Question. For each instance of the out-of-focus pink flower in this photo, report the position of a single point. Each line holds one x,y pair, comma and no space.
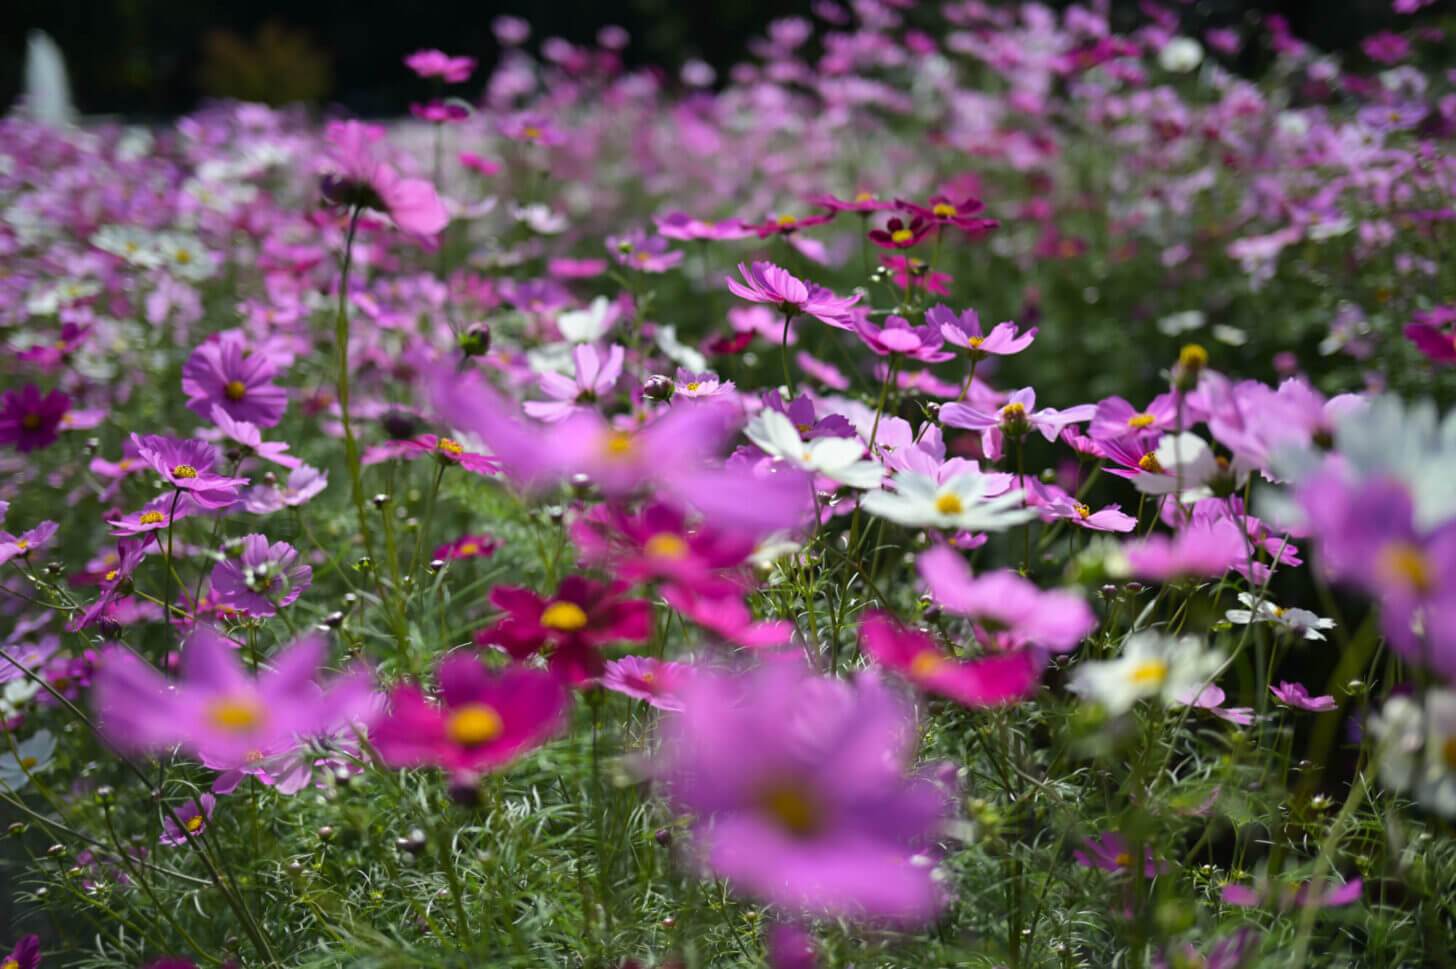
434,63
990,681
354,176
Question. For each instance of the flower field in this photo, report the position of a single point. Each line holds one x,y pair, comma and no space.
972,486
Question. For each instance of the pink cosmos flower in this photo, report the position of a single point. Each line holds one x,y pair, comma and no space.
479,165
1197,551
219,713
684,227
594,379
921,343
229,375
1211,698
727,616
569,627
25,955
533,129
467,547
1295,695
1116,418
22,545
862,202
1436,343
1284,897
355,177
648,254
1386,47
30,421
767,283
484,719
193,816
263,579
446,450
187,466
965,332
659,543
909,272
945,211
434,63
157,515
798,792
304,484
439,112
1011,609
1054,504
989,681
785,224
1015,419
653,681
1110,851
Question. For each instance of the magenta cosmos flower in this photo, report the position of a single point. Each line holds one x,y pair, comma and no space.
1010,610
187,466
1111,852
157,515
767,283
897,235
193,816
29,420
218,712
991,681
19,546
798,792
964,331
921,343
434,63
659,543
653,681
226,374
1295,695
356,178
1017,417
942,210
262,579
485,719
25,955
570,626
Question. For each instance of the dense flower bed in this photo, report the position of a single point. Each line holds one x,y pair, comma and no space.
969,489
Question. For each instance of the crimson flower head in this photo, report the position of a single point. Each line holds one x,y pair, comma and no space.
569,627
30,421
767,283
942,210
897,235
355,177
660,543
434,63
862,202
187,466
784,224
227,374
993,680
25,955
484,720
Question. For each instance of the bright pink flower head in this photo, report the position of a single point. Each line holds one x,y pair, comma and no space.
193,815
569,627
219,713
1295,695
767,283
1197,551
659,543
434,63
484,719
187,466
897,235
225,373
727,616
653,681
1111,852
25,955
684,227
991,681
965,332
945,211
921,343
1285,896
1015,419
468,547
30,421
1011,609
22,545
356,178
799,794
157,515
862,202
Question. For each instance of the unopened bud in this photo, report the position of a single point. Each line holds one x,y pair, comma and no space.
658,387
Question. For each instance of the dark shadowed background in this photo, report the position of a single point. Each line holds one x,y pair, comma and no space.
155,58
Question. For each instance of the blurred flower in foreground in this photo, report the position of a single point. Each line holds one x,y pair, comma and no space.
798,791
1151,665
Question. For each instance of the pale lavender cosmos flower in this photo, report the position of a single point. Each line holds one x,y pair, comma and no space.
304,483
921,343
250,439
798,791
157,515
1015,419
187,466
1012,609
261,580
226,373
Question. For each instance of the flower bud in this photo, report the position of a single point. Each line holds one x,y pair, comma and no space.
658,387
475,342
1191,361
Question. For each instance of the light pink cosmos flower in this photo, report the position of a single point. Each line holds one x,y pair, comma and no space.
921,343
354,176
964,331
434,63
653,681
1211,698
594,379
1014,611
767,283
1016,418
216,711
194,816
1201,550
229,375
1295,695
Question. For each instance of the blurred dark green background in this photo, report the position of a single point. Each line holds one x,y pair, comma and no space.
155,58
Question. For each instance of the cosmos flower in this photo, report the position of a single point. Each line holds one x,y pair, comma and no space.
467,547
262,579
594,380
798,792
228,374
30,421
1152,666
484,718
766,283
304,484
1301,622
653,681
193,816
157,515
897,336
897,235
989,681
355,177
1295,695
1011,609
1110,851
22,545
569,627
960,502
25,955
965,331
837,458
28,757
186,465
434,63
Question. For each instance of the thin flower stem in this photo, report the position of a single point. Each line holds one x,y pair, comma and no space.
784,353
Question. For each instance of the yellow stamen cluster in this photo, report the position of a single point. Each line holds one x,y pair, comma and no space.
949,504
787,220
1150,464
30,422
449,446
151,518
235,714
666,545
1152,672
184,471
235,390
1141,420
474,724
565,616
943,210
900,236
793,807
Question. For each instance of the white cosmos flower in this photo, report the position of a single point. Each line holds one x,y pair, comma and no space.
1152,665
1416,748
35,755
677,351
587,325
833,457
16,694
1300,621
960,503
1184,459
1180,55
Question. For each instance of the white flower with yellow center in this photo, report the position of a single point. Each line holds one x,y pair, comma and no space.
1152,666
1299,621
27,757
960,502
834,457
1415,747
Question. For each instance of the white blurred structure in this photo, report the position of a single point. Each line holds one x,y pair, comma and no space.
47,91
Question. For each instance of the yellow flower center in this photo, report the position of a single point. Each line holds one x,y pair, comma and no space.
194,823
151,517
1123,859
666,545
450,446
1192,357
26,763
469,548
30,422
111,575
1406,562
1082,510
183,256
693,387
618,444
235,390
474,724
943,210
793,807
9,964
23,544
235,714
532,132
649,678
1150,463
949,504
901,235
1151,672
787,220
863,197
974,342
184,471
927,663
1141,420
566,616
123,464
